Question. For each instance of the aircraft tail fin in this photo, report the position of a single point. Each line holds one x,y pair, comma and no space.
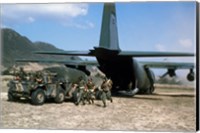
109,32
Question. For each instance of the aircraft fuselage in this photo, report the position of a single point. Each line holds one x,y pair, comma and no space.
125,72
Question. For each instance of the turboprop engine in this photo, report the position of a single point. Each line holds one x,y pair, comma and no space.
190,75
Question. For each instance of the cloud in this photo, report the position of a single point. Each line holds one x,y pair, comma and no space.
85,25
31,20
186,43
160,47
80,24
32,12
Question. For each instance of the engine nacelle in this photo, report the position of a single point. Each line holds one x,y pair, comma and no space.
190,76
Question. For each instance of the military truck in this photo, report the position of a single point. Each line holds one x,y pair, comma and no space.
38,89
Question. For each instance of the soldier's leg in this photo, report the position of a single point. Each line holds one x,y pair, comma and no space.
79,96
109,97
75,96
103,98
97,94
88,97
92,97
83,98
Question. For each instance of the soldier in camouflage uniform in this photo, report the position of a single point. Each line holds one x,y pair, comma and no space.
39,77
106,91
80,93
18,84
90,91
20,76
72,90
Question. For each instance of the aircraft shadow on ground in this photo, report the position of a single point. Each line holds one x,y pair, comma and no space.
28,101
175,95
142,98
51,101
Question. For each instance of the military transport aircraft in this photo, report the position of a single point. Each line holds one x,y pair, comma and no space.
129,75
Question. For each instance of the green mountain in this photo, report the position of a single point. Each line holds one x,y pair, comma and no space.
16,46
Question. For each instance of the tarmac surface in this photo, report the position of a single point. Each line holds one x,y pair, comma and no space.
168,109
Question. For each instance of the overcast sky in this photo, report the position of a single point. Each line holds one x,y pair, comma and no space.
142,26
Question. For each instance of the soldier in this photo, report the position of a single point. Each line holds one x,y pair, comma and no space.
48,77
72,90
38,77
80,92
18,84
90,91
22,74
20,77
106,91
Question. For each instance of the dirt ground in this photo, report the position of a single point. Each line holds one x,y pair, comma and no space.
169,109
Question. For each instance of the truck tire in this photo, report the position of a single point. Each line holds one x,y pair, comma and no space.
60,96
38,97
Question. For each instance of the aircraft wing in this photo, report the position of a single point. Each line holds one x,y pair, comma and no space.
153,54
66,62
169,65
172,67
73,53
121,53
